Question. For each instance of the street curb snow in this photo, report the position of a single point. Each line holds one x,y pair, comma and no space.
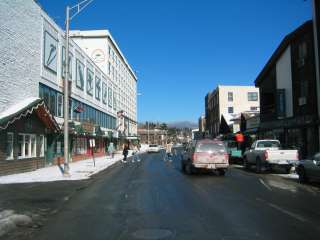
79,170
9,221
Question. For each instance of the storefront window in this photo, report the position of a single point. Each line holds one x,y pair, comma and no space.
80,145
27,145
9,145
41,145
33,146
21,145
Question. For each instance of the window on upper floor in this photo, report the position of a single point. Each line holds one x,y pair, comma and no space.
252,96
230,109
79,74
104,93
253,108
98,88
230,96
302,49
109,68
89,82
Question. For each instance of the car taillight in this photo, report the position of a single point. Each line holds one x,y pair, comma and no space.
266,155
193,157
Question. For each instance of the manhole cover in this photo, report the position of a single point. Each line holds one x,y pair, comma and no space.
152,234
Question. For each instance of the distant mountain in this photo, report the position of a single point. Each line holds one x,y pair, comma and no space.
182,124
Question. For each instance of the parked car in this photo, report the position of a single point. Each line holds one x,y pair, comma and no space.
309,169
205,154
235,154
153,148
267,153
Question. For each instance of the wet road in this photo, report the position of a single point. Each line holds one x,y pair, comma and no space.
152,199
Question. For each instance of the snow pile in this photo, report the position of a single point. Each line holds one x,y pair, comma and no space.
17,107
78,171
9,221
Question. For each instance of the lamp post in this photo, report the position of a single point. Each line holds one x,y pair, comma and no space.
78,7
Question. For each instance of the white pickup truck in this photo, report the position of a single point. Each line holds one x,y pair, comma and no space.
267,153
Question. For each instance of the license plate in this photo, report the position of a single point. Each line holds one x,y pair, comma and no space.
283,162
211,166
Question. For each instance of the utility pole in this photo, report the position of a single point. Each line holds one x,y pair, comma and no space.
148,131
79,7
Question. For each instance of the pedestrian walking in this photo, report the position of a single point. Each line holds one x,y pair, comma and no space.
111,150
168,152
135,154
125,152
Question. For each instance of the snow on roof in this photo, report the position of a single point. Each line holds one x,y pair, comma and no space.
17,107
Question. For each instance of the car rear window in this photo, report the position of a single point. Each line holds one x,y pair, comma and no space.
153,145
268,144
210,147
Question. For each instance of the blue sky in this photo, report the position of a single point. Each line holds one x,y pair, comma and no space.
182,49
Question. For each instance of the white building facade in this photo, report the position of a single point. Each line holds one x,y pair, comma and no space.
229,102
107,55
33,59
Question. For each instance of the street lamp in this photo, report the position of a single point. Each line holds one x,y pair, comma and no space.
78,8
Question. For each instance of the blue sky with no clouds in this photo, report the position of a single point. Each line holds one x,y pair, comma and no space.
182,49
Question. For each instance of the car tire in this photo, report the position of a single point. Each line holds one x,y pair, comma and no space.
183,167
221,172
287,170
258,165
246,164
188,168
303,178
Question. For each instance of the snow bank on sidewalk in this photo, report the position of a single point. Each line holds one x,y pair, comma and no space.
78,171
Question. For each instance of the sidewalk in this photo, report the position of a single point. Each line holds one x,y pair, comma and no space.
79,170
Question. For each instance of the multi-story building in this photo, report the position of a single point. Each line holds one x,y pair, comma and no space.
123,82
316,33
153,136
33,61
228,102
202,124
288,93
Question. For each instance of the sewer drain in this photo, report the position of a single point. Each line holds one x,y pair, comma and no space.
152,234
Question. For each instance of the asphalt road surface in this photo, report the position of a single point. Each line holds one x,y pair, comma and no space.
153,199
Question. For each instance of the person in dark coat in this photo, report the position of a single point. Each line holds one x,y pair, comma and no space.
125,153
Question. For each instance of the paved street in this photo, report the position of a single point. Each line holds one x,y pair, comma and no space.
153,199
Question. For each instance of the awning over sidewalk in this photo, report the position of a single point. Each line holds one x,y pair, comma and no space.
25,108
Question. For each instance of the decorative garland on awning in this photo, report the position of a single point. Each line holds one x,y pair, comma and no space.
27,112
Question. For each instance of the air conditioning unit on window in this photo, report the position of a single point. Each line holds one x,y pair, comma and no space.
301,62
302,101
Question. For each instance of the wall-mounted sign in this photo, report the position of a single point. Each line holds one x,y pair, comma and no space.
98,56
50,52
